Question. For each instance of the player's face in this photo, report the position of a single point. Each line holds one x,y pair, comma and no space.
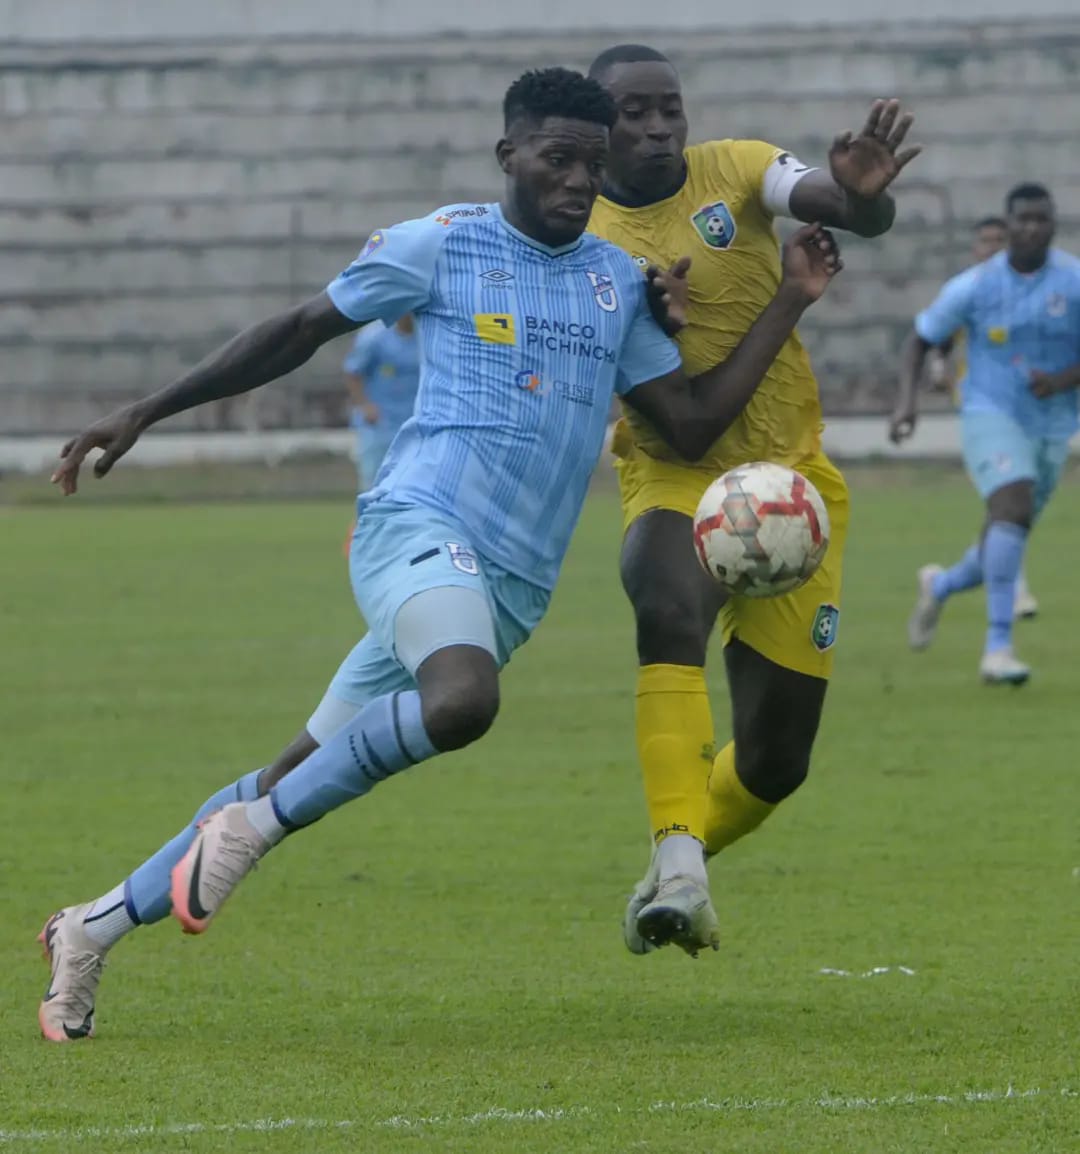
648,139
989,241
555,171
1031,229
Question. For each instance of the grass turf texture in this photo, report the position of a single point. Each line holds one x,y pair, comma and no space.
436,964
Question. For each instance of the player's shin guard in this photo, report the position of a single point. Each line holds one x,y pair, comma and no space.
385,737
675,743
732,810
1003,558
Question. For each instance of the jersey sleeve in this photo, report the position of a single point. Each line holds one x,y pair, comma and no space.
950,311
770,173
646,352
360,361
393,273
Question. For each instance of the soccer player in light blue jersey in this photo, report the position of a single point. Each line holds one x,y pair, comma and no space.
527,327
382,374
1020,311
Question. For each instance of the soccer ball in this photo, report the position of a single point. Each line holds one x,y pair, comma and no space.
761,530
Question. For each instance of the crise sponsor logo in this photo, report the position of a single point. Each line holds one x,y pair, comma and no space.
575,392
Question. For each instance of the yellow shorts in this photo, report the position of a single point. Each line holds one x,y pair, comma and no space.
798,630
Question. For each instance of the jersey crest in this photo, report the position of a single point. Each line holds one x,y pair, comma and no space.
715,224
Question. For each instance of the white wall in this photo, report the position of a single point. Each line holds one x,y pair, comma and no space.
145,20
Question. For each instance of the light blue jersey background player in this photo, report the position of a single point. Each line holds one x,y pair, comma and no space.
528,327
382,375
1020,311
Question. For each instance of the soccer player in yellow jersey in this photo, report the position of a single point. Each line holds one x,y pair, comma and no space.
716,203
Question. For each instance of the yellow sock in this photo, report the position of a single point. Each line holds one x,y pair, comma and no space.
675,744
732,811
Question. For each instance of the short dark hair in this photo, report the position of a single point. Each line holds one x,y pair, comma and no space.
990,222
624,54
557,92
1026,191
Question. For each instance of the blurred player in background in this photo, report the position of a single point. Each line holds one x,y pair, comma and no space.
946,366
528,327
382,374
717,202
1020,312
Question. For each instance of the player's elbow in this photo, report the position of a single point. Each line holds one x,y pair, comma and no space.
689,438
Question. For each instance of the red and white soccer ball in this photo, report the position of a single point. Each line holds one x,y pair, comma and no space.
761,530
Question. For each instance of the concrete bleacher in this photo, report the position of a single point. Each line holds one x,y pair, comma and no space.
157,196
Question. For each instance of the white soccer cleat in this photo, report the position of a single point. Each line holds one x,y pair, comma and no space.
1002,667
644,892
66,1013
1024,604
681,913
223,853
923,622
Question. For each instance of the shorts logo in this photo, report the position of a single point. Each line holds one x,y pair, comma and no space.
997,336
715,224
1056,305
463,559
495,328
604,291
823,631
376,240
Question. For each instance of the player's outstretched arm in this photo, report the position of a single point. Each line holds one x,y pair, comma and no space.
851,195
691,413
255,357
912,363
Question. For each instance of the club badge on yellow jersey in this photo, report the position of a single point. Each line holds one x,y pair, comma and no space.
719,219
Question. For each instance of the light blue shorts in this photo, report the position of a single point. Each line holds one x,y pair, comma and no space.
399,551
372,442
999,452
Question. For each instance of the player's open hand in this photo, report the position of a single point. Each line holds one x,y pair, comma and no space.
811,258
115,434
668,294
865,165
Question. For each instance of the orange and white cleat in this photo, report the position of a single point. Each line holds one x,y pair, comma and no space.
66,1013
223,853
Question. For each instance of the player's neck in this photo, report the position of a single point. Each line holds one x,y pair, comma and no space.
631,194
1027,266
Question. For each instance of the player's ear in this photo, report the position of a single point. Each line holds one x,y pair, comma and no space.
504,151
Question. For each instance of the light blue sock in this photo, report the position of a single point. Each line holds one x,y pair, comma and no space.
965,574
1003,557
385,737
146,892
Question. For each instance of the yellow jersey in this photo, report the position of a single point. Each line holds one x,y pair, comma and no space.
719,219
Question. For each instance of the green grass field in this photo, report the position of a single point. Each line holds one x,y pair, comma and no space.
439,967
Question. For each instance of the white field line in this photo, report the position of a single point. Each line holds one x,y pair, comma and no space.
405,1122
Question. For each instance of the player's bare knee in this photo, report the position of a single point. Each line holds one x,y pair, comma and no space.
1014,504
669,630
773,770
459,696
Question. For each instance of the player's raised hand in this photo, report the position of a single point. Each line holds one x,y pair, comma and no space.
668,294
865,165
115,434
811,258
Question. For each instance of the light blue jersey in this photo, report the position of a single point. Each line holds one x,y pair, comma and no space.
1015,323
388,361
522,347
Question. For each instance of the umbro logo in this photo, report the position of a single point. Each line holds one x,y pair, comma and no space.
497,276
